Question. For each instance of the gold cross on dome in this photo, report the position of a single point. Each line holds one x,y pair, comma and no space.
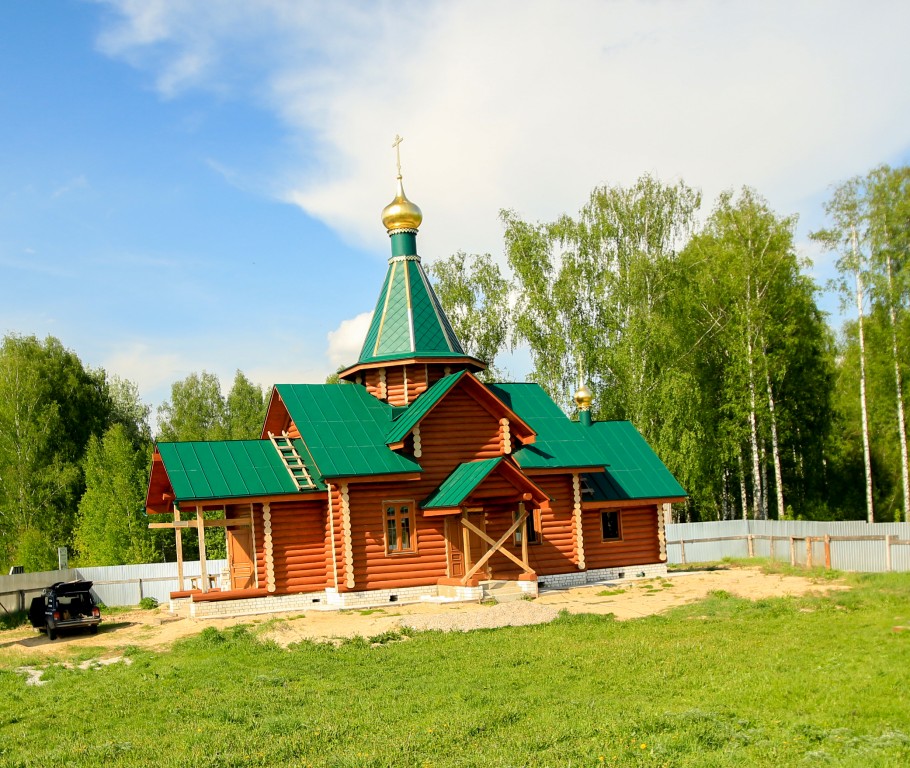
396,146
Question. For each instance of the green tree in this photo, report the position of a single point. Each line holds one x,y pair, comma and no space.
129,410
245,409
476,300
196,410
50,406
592,289
112,528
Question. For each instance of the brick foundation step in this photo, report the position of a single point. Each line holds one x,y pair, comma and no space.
502,591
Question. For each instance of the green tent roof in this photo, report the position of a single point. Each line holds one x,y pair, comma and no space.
408,320
344,428
229,469
559,444
460,484
633,470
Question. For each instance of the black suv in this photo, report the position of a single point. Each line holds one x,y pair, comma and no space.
65,605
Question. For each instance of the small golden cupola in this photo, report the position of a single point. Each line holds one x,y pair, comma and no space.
583,398
401,213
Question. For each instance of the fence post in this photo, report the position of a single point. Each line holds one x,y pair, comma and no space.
808,551
682,550
828,551
792,551
888,552
140,589
751,539
771,547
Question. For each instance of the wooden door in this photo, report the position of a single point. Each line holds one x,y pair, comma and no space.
240,557
455,547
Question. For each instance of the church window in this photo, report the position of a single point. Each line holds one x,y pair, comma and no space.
610,526
399,527
531,527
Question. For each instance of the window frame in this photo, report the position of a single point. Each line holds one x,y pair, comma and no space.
533,524
603,532
411,516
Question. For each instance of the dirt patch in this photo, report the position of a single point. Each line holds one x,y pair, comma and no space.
157,630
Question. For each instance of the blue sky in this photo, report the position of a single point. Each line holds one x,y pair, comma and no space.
197,185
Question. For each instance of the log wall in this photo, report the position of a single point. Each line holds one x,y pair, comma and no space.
300,547
639,544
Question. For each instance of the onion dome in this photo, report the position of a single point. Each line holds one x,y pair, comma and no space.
583,398
401,213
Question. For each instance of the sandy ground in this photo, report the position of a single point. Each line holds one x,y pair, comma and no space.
157,629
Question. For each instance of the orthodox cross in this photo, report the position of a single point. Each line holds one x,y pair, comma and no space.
396,146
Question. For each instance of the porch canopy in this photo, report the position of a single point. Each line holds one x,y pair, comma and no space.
474,484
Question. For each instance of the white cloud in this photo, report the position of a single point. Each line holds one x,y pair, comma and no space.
530,104
346,340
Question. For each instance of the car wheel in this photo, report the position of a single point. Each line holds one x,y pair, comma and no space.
51,634
93,629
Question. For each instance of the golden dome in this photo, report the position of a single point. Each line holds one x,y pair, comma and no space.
583,398
401,213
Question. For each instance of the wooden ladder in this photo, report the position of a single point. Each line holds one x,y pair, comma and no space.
292,460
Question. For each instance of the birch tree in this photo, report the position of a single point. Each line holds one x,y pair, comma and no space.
888,192
475,297
847,211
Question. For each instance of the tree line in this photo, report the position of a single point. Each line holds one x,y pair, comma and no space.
708,337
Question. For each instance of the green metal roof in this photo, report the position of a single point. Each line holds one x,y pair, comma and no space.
408,320
559,443
421,407
633,470
460,484
229,469
344,428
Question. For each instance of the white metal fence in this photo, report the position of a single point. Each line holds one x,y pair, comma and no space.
113,585
845,546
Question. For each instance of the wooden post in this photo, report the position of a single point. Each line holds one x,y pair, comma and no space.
682,551
466,538
179,536
524,533
827,551
888,552
792,551
771,547
751,539
203,571
808,551
253,536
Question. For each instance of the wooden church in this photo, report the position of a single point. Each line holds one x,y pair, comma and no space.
412,479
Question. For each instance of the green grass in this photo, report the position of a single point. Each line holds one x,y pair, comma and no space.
723,682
